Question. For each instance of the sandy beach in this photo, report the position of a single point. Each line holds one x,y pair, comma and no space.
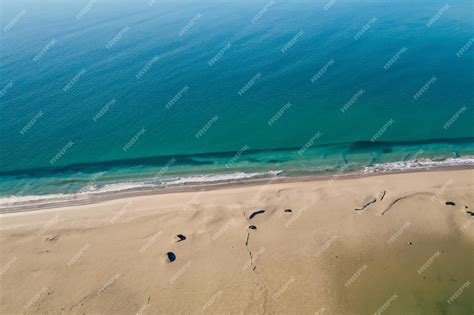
392,244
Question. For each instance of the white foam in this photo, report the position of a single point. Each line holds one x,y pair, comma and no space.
213,178
86,192
81,195
11,200
418,164
122,187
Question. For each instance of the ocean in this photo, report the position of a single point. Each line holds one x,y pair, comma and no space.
100,96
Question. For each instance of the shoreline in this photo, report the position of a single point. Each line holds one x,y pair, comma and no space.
347,247
116,195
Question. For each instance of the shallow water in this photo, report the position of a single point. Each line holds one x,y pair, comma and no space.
162,92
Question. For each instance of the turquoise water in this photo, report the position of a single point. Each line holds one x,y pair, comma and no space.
99,93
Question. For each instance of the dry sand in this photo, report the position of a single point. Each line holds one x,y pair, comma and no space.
413,257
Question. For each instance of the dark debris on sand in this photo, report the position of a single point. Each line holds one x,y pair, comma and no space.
180,237
368,203
171,256
52,239
255,213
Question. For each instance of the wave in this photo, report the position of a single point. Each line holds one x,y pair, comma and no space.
14,200
213,178
83,194
418,164
93,190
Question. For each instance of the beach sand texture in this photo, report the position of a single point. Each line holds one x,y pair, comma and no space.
406,252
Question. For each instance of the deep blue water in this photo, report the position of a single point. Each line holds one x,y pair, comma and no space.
147,90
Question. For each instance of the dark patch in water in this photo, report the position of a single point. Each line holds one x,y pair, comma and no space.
195,162
365,145
273,161
191,159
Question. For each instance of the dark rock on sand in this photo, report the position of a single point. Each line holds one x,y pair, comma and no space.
255,213
450,203
180,237
288,210
171,256
252,227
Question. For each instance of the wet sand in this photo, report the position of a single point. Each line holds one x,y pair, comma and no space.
405,252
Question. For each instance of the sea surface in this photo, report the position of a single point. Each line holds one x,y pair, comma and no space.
102,96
